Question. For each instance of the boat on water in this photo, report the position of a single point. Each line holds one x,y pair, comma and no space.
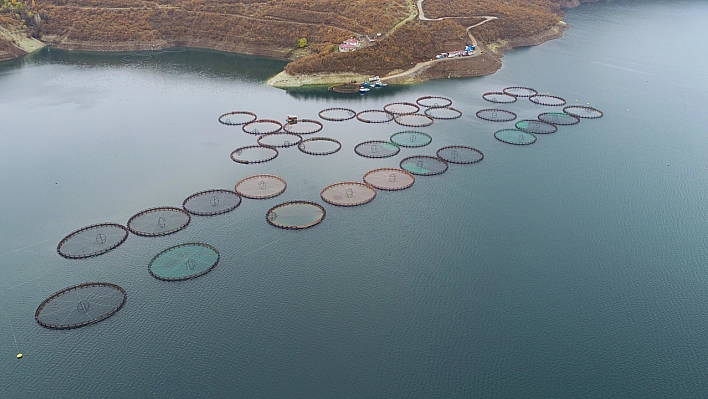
363,89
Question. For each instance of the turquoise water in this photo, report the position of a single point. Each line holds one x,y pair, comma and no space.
570,268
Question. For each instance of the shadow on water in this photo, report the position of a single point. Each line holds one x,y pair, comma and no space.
321,92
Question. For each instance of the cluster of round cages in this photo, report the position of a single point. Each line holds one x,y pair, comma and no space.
262,126
411,139
348,193
252,154
433,102
279,140
374,116
515,136
460,154
558,118
377,149
496,115
414,120
424,165
261,186
237,118
547,100
401,108
92,240
319,146
303,126
80,305
347,88
212,202
536,126
443,113
184,261
519,91
390,179
499,97
582,111
337,114
159,221
296,215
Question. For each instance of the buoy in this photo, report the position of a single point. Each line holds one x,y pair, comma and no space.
576,101
588,103
19,356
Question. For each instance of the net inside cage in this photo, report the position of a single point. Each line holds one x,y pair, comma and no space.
377,149
279,140
389,179
211,202
460,154
348,194
424,165
183,262
337,114
92,240
558,118
536,126
296,215
158,221
399,108
254,154
411,139
80,305
496,115
261,186
515,136
303,126
319,146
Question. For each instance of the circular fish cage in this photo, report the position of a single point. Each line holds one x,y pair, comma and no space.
411,139
401,108
390,179
515,136
303,126
424,165
547,100
254,154
93,240
414,120
237,118
296,215
374,116
261,186
159,221
433,102
319,146
536,127
499,97
348,193
520,91
443,113
211,202
184,262
496,115
262,126
582,111
376,149
460,154
337,114
347,88
559,118
279,140
80,305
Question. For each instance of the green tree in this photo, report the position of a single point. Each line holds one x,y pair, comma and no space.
302,42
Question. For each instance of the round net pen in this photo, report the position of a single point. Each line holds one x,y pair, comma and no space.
347,88
261,186
319,146
237,118
376,149
279,140
92,240
374,116
433,102
460,154
424,165
303,126
254,154
349,193
295,215
443,113
337,114
499,97
262,126
184,262
159,221
536,127
582,111
520,91
496,115
80,305
390,179
558,118
414,120
401,108
547,100
211,202
411,139
515,136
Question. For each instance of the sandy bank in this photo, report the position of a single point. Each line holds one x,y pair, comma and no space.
16,43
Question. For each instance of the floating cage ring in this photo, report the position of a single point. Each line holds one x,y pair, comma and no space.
515,137
496,115
388,117
305,146
250,129
582,111
414,120
296,215
392,108
536,126
452,113
547,100
499,97
261,186
260,154
559,118
212,202
389,179
159,221
80,305
460,154
288,140
184,261
226,120
290,126
520,91
93,240
433,102
348,193
347,88
411,139
424,165
377,149
351,114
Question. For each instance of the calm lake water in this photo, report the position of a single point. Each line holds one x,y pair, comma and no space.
571,268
